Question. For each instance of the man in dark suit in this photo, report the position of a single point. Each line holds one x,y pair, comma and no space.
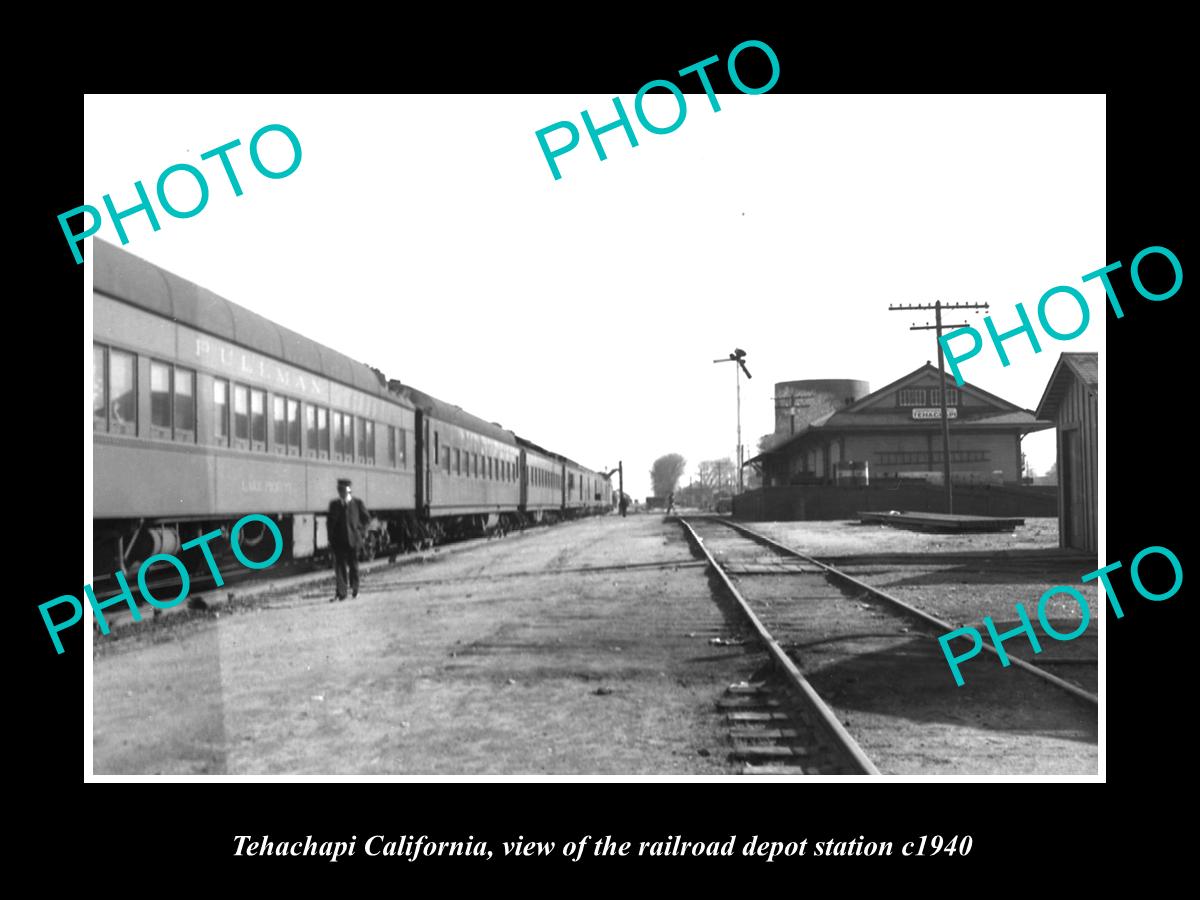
347,519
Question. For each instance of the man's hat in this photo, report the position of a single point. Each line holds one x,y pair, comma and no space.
343,482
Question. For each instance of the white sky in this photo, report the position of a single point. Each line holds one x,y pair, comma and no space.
425,235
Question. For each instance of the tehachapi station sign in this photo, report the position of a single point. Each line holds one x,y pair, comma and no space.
922,412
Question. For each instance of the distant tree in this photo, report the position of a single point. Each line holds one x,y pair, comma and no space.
666,472
718,474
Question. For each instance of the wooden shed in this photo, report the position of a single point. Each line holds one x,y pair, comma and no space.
1070,402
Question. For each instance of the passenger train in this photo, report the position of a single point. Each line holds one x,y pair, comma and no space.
203,411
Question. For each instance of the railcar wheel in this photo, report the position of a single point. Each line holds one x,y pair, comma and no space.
370,546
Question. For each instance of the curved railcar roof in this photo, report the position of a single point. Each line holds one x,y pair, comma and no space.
530,445
124,276
448,412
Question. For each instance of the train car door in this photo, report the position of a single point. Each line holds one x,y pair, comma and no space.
425,466
522,471
419,458
430,462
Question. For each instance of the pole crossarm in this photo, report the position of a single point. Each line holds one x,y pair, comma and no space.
938,306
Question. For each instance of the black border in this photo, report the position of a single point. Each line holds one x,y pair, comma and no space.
1145,383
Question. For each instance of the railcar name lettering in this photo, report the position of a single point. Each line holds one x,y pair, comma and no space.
218,353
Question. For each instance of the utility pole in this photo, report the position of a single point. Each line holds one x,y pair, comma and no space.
937,306
738,356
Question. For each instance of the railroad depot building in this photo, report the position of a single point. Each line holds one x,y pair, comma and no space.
894,433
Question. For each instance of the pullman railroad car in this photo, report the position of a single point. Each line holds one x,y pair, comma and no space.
203,411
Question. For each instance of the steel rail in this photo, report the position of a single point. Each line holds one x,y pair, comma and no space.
1072,689
826,717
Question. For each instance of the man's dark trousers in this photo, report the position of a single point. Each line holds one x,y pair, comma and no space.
345,527
345,558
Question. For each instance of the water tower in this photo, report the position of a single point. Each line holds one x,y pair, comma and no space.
798,403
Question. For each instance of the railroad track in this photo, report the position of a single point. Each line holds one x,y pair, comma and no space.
869,683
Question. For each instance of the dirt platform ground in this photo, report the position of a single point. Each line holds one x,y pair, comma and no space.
960,578
501,660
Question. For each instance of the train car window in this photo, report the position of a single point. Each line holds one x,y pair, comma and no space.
488,468
475,457
122,392
99,389
258,420
391,451
402,447
339,436
348,427
310,430
279,424
361,438
457,461
221,412
446,459
241,416
160,400
185,405
293,418
437,454
368,449
322,432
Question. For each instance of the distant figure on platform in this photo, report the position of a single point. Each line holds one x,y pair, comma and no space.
347,519
624,503
670,503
